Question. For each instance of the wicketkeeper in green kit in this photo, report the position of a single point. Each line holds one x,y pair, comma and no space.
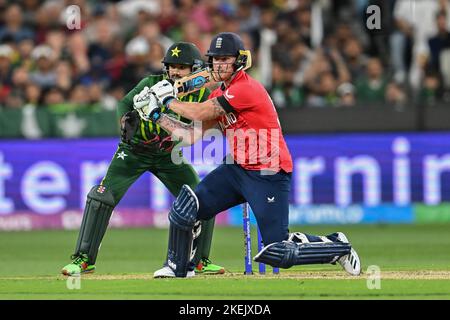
143,147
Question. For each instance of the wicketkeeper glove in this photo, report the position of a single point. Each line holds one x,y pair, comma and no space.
128,125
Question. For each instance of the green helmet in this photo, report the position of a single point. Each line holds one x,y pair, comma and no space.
183,53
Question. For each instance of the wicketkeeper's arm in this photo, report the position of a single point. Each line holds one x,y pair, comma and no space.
126,104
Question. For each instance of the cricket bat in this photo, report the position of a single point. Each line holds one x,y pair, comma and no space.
192,82
196,80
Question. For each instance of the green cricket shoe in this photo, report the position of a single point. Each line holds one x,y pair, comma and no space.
205,266
78,266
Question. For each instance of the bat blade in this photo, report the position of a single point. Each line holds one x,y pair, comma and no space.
193,82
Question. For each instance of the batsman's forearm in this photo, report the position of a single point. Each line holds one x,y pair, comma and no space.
188,134
203,111
188,110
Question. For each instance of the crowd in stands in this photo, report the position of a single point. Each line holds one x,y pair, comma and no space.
307,53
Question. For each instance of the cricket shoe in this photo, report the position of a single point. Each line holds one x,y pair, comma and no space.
349,262
167,272
78,266
206,267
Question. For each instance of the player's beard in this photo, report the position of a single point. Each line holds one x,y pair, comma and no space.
174,77
223,75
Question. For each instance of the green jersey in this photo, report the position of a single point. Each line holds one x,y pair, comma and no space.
150,137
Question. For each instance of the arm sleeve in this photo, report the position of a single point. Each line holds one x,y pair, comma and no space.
225,104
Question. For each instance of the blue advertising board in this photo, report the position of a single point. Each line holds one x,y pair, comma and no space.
342,178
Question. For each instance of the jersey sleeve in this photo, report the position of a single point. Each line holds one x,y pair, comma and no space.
126,104
203,94
238,98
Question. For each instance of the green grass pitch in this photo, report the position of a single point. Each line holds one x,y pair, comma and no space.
414,261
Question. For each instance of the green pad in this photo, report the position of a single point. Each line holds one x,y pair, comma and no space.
99,206
203,242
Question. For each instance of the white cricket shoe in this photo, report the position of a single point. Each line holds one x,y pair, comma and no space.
167,272
349,262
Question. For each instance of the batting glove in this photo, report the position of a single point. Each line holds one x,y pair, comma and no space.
164,92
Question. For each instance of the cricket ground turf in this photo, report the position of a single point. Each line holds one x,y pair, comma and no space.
413,260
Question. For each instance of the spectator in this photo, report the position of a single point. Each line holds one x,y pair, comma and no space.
112,97
30,127
156,55
282,28
44,75
440,49
354,57
79,95
37,51
283,90
29,13
6,53
13,25
32,94
302,23
77,51
167,19
130,8
99,50
64,75
267,38
56,40
48,18
117,62
25,47
192,33
337,36
395,96
431,92
322,76
248,15
52,97
401,41
137,67
95,93
440,41
417,31
346,94
371,86
16,98
301,56
202,13
152,33
323,93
